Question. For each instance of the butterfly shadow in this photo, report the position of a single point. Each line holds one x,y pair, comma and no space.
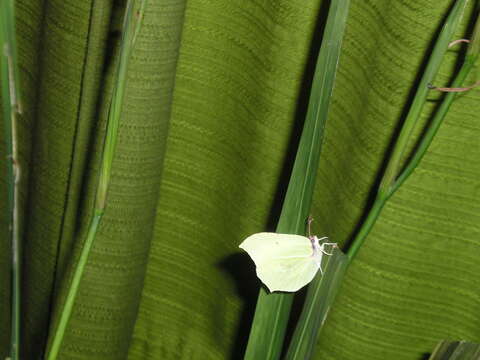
241,269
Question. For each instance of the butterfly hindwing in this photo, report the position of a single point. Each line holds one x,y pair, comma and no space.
287,274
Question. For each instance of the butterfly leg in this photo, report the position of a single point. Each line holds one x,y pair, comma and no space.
320,268
334,245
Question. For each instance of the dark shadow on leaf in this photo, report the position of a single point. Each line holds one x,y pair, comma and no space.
289,160
300,114
242,270
295,313
425,356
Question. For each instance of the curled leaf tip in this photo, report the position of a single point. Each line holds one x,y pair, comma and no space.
458,41
457,89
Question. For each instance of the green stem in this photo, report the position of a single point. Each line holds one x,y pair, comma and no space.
367,225
11,108
441,47
470,60
74,286
132,21
16,265
413,163
433,128
391,180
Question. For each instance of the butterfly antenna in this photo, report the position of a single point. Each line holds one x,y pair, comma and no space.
309,222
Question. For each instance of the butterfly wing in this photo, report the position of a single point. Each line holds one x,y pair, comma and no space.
287,274
284,262
265,246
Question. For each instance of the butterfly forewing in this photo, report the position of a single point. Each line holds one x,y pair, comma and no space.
267,246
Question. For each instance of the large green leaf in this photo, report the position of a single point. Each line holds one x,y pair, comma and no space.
212,192
238,86
226,147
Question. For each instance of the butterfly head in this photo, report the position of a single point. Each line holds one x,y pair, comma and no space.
317,247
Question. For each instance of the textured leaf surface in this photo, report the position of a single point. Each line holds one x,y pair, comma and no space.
233,105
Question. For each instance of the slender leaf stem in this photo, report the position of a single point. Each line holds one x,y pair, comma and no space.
441,47
132,22
367,225
393,177
433,128
427,139
470,60
474,46
74,286
11,109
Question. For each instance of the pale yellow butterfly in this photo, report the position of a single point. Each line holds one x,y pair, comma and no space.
286,262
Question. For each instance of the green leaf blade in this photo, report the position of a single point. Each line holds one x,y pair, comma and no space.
393,178
132,22
320,297
456,350
415,111
272,311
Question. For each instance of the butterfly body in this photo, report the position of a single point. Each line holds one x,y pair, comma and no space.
285,262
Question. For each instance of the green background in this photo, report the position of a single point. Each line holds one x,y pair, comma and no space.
215,100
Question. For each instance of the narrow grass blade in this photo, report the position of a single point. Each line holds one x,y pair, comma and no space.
320,297
132,21
7,18
272,311
388,184
456,350
434,126
434,62
11,108
468,64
